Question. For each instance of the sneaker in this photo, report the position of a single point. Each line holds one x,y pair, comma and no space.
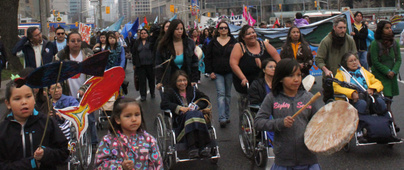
143,98
222,124
206,75
205,152
194,153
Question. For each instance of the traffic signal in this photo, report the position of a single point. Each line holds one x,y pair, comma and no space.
190,8
315,4
280,6
208,14
171,8
107,10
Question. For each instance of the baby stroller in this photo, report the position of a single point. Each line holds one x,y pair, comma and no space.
105,112
375,126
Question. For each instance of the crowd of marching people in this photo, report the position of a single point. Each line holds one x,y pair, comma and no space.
166,59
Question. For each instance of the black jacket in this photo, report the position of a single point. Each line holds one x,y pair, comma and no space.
135,52
3,56
171,99
48,51
190,65
257,92
360,37
12,148
217,57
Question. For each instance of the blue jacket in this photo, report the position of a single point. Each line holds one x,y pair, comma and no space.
65,101
48,51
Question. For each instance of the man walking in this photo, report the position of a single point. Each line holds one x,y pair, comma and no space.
331,50
60,42
37,51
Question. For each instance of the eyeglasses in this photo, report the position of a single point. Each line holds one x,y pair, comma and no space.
223,28
60,33
57,88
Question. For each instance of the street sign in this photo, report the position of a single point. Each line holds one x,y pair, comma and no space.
58,19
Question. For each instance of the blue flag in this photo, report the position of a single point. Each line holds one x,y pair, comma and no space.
125,29
174,17
135,27
115,26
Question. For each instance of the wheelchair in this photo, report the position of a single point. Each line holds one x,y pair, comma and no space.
173,152
255,144
390,138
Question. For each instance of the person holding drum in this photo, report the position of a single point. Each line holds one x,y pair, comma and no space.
286,98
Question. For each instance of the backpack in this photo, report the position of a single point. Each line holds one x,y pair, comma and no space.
368,56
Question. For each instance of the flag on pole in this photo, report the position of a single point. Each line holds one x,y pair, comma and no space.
251,20
156,20
115,26
232,14
135,27
276,22
145,21
174,17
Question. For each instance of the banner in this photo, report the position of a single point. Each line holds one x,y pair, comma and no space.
85,31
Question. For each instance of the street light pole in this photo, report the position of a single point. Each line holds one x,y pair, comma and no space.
101,25
42,16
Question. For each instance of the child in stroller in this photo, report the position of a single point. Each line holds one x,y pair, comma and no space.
362,88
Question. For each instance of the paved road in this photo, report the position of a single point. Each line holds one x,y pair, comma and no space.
232,158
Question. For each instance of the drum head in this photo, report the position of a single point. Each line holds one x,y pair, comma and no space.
198,52
308,82
331,128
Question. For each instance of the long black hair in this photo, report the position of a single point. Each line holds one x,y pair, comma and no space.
119,105
166,43
67,48
284,68
174,77
264,64
243,32
304,45
113,47
218,27
379,29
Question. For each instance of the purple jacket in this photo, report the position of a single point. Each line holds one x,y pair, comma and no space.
301,22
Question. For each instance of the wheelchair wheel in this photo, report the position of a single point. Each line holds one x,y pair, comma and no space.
261,157
85,150
247,134
161,135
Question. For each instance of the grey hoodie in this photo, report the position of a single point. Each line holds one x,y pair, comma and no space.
289,147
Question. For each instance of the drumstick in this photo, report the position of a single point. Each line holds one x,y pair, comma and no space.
314,98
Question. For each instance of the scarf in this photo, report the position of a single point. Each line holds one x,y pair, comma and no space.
359,77
387,41
337,42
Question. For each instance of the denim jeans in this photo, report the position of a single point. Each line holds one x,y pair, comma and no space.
92,128
363,59
223,89
361,105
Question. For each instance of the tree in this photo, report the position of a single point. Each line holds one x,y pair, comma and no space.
9,29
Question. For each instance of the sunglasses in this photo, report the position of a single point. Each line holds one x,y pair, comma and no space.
223,28
60,33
